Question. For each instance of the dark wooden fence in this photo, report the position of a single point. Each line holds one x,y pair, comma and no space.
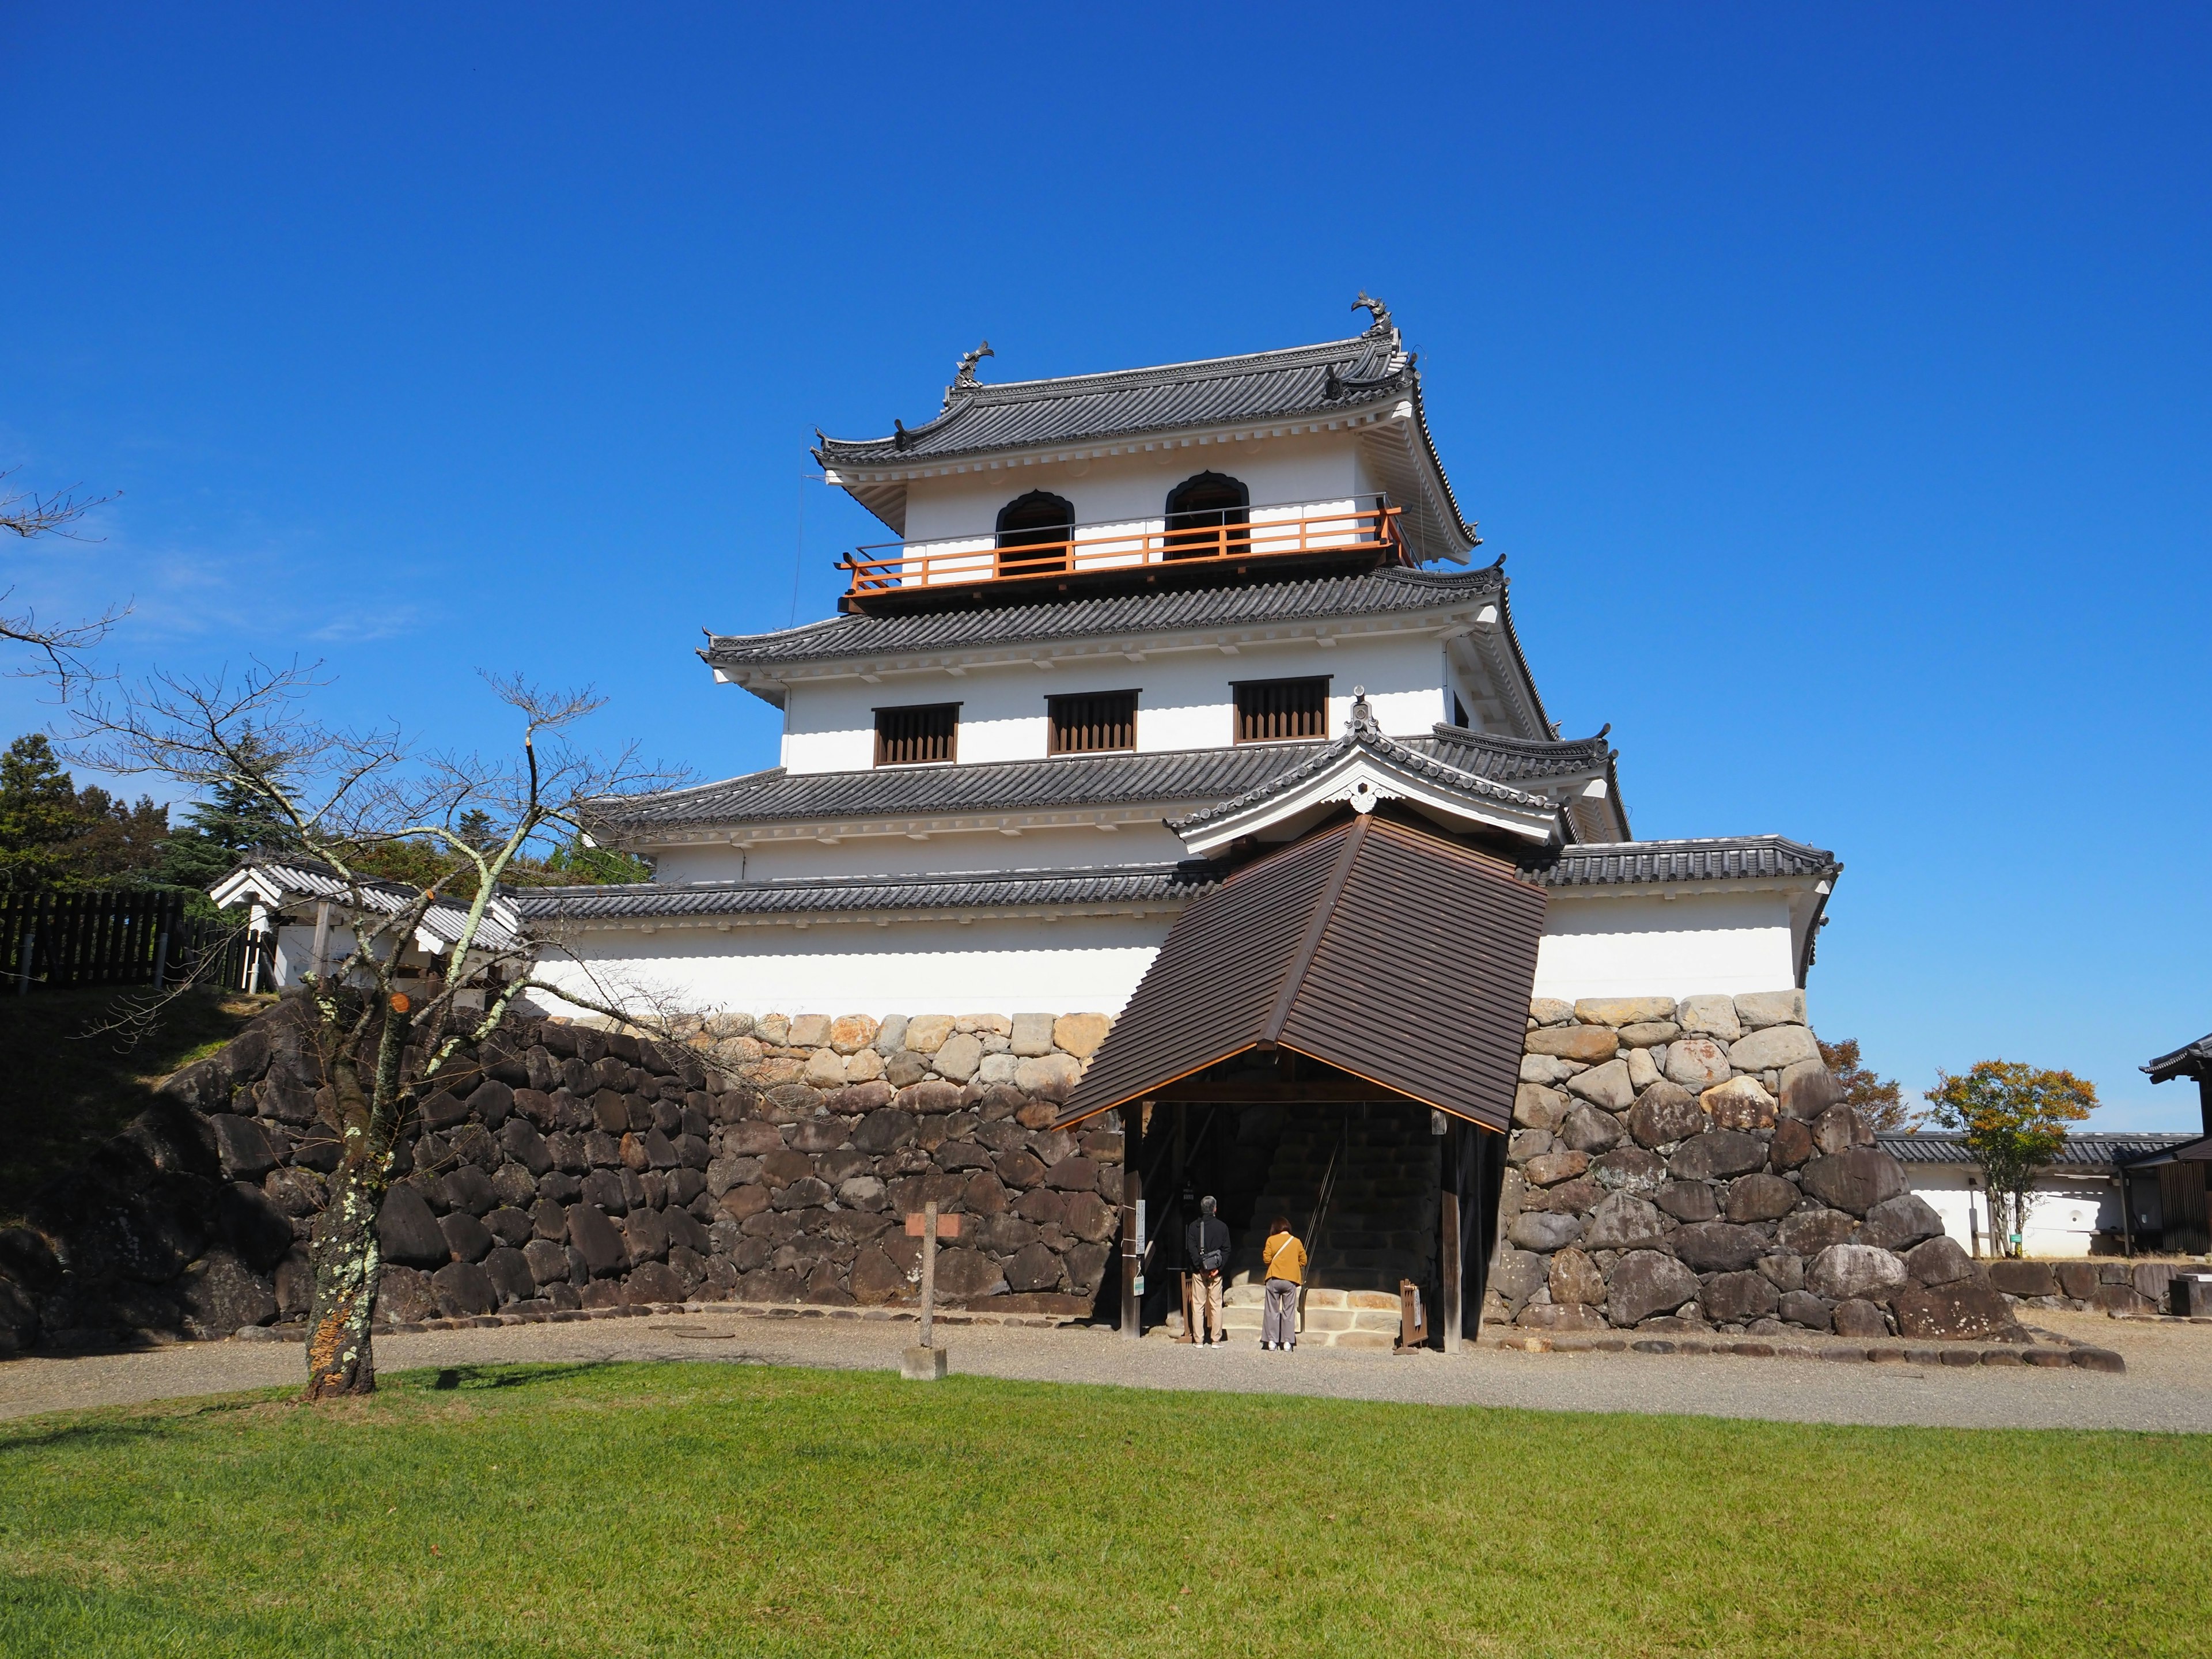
53,941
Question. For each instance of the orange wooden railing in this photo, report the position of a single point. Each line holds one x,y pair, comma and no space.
891,565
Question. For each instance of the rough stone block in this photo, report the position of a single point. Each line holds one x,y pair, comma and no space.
1623,1011
1716,1246
1551,1011
1939,1260
1761,1197
1645,1283
1854,1180
1081,1034
467,1239
464,1289
1709,1016
1623,1222
1629,1168
1544,1231
1858,1318
1808,1232
2023,1278
926,1033
1715,1153
1048,1076
596,1241
1898,1224
1807,1090
1689,1201
1757,1009
242,1147
1844,1272
1593,1045
1737,1298
1959,1309
1696,1063
1665,1113
406,1232
1586,1129
1538,1107
1803,1308
958,1056
1739,1103
1606,1086
1555,1166
1772,1049
1650,1034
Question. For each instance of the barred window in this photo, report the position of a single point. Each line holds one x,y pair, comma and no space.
1270,711
915,735
1093,721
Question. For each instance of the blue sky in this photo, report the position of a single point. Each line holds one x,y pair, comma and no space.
1835,380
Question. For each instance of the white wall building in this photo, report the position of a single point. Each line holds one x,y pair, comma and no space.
1135,629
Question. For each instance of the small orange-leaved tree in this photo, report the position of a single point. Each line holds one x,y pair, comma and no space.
2014,1118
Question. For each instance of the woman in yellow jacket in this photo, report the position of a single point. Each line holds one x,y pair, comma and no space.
1286,1262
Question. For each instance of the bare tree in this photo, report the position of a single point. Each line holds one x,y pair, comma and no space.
29,515
383,1045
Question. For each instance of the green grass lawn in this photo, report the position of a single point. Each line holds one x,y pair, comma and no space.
738,1509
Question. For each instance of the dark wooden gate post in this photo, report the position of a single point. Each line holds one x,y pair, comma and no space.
1450,1309
1132,1261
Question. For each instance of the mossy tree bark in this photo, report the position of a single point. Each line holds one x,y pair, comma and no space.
341,1356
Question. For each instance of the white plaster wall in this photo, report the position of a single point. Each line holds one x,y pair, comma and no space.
985,853
1312,467
1086,965
2062,1219
1184,701
1609,944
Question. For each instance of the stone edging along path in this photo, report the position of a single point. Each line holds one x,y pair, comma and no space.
2049,1351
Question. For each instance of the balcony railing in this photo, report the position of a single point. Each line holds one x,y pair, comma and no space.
1285,530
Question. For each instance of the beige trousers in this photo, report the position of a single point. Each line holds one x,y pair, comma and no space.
1205,1306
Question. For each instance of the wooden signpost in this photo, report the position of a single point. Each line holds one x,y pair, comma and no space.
925,1362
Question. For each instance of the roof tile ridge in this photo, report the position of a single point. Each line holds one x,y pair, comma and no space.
1111,380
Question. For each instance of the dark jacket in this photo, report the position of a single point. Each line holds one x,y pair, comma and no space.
1208,1233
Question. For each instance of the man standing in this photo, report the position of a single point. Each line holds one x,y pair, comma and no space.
1285,1265
1205,1254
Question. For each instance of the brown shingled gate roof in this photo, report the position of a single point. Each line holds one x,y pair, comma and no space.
1376,947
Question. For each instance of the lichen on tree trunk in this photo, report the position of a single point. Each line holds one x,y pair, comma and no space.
344,1255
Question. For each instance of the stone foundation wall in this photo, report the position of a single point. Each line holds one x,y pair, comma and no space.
568,1167
1687,1167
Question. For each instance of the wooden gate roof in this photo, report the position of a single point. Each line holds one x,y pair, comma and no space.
1376,947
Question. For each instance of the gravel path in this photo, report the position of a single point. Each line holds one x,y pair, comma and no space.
2167,1384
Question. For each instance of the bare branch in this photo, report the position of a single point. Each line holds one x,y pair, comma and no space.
29,513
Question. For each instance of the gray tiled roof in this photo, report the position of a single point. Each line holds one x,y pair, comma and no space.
1419,756
2193,1060
1382,592
1130,884
2083,1152
1205,775
1605,864
1266,386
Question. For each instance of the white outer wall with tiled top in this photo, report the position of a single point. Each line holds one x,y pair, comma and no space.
1711,942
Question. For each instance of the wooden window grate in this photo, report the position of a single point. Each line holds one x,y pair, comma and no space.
917,735
1272,711
1093,721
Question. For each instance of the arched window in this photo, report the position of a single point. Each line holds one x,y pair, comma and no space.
1040,521
1207,516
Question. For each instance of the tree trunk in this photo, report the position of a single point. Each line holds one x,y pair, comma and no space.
347,1265
344,1254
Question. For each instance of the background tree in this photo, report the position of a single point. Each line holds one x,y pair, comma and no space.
28,515
56,835
1878,1101
2014,1118
336,794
